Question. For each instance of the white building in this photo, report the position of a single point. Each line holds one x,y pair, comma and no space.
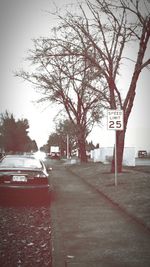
104,155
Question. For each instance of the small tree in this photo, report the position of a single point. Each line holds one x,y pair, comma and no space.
67,130
54,140
59,137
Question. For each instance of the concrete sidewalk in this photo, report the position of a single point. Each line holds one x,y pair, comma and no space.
89,231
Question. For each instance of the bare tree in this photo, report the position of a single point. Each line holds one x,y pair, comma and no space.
80,67
65,79
105,35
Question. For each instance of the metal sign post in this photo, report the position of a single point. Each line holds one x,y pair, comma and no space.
67,146
116,158
115,122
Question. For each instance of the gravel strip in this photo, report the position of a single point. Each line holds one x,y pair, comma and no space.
25,237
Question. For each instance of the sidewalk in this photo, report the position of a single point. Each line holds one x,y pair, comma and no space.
132,192
90,231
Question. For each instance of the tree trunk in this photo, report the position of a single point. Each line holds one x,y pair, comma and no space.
120,138
82,148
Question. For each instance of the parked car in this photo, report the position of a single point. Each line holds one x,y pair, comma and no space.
54,155
23,172
142,153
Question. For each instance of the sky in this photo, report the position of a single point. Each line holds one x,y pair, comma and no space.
20,22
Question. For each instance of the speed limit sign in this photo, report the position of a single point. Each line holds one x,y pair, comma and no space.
115,119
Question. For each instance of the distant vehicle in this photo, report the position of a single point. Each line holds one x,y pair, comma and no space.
142,153
23,172
54,152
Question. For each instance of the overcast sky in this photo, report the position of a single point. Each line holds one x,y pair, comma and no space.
20,22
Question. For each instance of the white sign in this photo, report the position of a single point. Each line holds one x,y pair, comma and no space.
115,119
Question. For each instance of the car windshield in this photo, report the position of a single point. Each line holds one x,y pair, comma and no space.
20,163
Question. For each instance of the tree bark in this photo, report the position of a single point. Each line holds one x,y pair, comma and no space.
82,147
120,138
